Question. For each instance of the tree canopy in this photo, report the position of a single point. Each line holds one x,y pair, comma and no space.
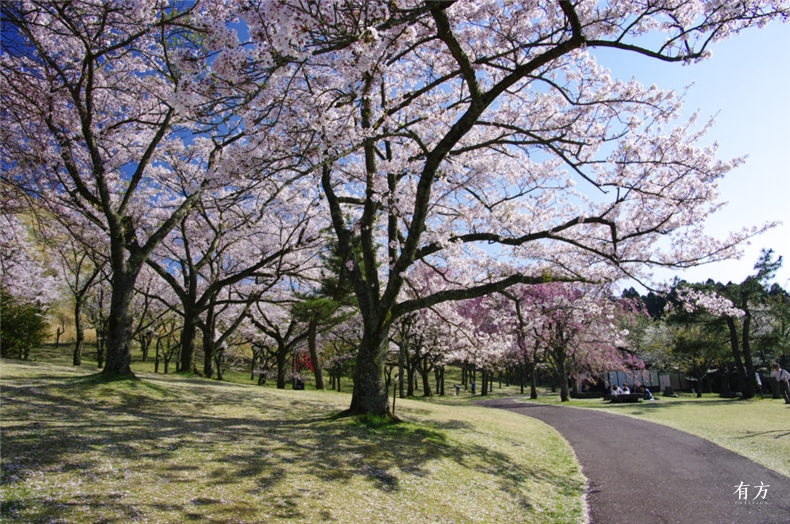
475,145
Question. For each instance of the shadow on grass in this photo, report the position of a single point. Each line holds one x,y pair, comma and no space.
775,433
106,432
660,403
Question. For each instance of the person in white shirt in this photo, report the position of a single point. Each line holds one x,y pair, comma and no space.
782,377
626,391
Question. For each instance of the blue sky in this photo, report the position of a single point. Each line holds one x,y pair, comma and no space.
746,86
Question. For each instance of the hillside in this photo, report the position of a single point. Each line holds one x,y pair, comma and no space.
170,448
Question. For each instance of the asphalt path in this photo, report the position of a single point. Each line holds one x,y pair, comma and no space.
639,472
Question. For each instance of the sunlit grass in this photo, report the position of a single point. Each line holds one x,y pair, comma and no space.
758,429
168,448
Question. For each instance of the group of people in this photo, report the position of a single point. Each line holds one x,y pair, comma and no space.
616,391
782,377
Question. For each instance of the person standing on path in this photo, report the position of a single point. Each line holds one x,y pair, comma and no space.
782,376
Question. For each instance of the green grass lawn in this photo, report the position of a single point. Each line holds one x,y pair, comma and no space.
167,448
758,428
170,448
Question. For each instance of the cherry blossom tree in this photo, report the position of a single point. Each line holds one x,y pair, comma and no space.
340,346
99,116
80,271
74,246
286,331
524,351
24,272
167,345
327,304
485,137
481,338
578,329
28,286
422,338
150,305
247,237
480,137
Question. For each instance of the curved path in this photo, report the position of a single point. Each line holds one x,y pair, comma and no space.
641,472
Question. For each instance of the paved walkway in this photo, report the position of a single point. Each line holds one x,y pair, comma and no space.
640,472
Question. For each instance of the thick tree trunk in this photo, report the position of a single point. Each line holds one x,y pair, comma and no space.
410,370
743,379
208,352
145,344
749,386
282,357
188,333
219,357
101,342
439,375
119,332
100,323
426,382
533,382
370,394
312,348
562,371
252,364
209,336
79,333
483,382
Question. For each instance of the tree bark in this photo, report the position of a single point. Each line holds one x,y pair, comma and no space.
145,344
749,386
410,371
311,346
402,363
58,332
219,357
208,352
119,332
101,342
188,334
736,355
282,357
79,333
158,356
426,383
533,381
562,371
439,374
370,394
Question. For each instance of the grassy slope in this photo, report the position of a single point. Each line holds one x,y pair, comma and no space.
170,449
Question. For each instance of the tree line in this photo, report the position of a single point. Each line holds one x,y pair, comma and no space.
204,158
